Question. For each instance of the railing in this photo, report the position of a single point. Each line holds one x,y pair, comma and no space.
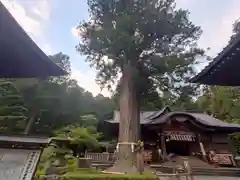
111,157
101,157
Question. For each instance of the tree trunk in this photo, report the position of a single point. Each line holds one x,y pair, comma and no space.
30,122
129,127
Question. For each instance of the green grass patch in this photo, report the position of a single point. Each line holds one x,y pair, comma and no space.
107,177
92,174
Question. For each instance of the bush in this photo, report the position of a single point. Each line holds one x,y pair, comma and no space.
235,141
107,177
85,171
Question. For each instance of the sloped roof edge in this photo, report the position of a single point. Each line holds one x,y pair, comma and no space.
200,118
159,113
27,41
217,60
144,117
24,138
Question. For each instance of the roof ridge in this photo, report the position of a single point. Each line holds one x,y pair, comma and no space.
159,113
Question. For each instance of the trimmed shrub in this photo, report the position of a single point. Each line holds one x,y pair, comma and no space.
235,142
91,174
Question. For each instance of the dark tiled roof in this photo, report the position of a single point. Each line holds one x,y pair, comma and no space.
20,56
159,113
161,116
24,139
200,118
212,121
224,69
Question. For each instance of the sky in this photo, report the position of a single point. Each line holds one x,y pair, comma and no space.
52,25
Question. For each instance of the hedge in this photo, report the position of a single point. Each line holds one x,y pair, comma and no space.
103,176
235,142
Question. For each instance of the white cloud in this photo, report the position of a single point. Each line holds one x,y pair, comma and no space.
42,9
87,81
29,24
184,3
32,16
74,31
47,49
216,34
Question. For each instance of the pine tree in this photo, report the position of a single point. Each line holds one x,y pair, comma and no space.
12,110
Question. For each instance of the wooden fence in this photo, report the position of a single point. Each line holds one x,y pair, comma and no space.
101,157
111,157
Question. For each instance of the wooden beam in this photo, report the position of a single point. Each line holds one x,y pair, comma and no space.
163,147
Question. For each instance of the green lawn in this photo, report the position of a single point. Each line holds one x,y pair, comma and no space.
93,174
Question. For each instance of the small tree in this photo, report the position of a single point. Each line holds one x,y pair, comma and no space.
59,151
79,139
235,142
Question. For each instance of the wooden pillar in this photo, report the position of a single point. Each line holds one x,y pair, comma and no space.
163,147
202,149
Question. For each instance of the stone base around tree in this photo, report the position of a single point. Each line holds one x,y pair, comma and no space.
84,163
123,168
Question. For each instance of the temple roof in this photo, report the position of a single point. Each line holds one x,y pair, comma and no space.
20,56
145,116
161,116
224,69
200,118
23,138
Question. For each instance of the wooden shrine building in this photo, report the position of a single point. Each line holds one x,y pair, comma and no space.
191,134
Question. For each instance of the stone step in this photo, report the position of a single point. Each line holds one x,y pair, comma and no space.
232,172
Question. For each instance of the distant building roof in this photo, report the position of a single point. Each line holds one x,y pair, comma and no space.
224,69
145,116
24,139
159,117
20,56
201,118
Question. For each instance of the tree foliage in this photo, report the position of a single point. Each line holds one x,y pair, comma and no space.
48,104
221,102
82,136
158,40
12,109
235,29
